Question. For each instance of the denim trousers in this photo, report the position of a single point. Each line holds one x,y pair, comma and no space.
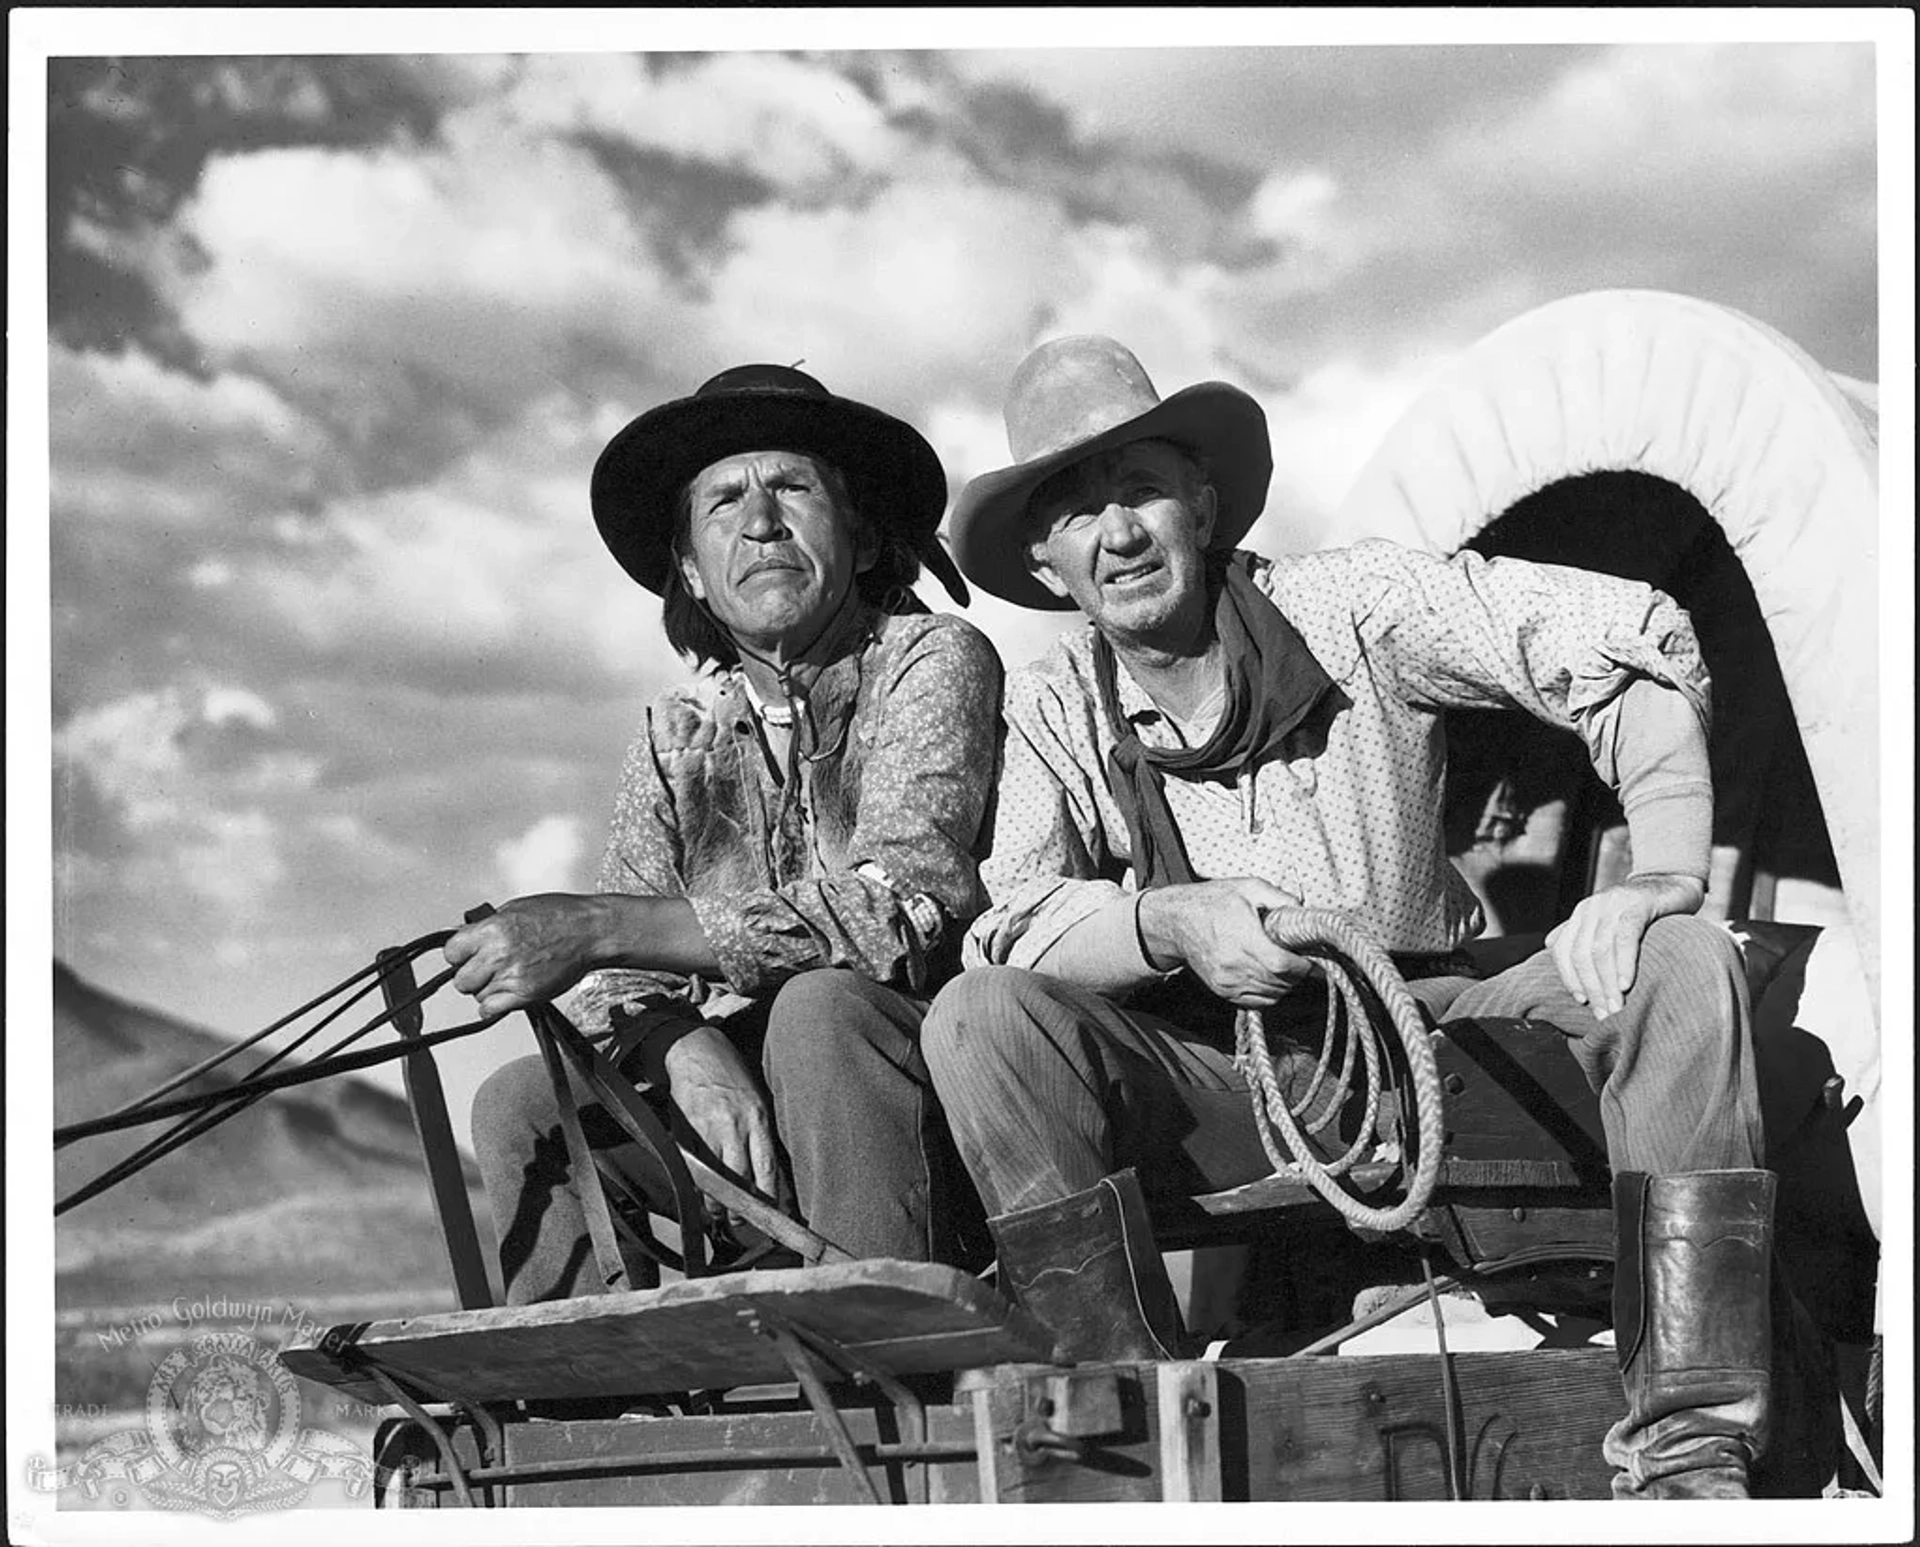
861,1139
1049,1087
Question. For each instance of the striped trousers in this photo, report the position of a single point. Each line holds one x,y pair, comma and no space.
1049,1087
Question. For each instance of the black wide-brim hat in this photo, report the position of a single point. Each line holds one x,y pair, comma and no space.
894,476
1073,398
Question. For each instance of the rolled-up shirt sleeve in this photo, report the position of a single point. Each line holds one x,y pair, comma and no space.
1048,869
909,881
1614,660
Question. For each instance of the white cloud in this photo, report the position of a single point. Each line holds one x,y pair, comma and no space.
1293,205
1323,433
158,757
927,284
545,858
491,576
795,122
135,444
1648,119
422,569
191,815
482,264
345,842
132,750
970,439
231,858
222,705
1167,313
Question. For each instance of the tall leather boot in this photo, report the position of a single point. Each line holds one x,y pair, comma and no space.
1692,1287
1087,1268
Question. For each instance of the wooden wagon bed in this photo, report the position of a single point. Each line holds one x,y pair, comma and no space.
928,1388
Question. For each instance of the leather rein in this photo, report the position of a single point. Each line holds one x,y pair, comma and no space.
565,1048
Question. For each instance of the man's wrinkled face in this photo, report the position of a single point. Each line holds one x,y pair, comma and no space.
771,546
1124,535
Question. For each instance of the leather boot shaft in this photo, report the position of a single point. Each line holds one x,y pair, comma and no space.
1692,1294
1087,1267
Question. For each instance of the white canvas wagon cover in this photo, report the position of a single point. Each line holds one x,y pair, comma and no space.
1782,453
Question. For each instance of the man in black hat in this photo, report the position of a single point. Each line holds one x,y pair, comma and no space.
1233,735
791,863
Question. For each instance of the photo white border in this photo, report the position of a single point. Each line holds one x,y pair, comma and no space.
36,35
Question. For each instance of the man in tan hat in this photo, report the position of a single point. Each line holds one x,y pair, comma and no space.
1231,735
791,860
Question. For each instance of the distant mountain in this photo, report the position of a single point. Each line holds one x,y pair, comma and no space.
316,1193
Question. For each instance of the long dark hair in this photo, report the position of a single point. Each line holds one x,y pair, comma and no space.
887,584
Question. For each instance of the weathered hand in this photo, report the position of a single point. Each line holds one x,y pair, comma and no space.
719,1096
527,951
1597,948
1216,930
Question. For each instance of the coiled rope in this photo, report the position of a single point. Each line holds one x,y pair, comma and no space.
1351,963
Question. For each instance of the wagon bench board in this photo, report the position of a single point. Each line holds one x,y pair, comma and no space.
1304,1430
700,1334
1336,1429
1374,1427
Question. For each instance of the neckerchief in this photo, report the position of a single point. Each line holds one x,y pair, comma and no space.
1273,683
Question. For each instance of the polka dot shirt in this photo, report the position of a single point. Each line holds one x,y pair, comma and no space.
1349,817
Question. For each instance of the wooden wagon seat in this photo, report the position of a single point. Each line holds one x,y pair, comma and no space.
896,1318
1526,1173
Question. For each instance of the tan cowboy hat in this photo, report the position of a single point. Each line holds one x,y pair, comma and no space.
1077,396
894,475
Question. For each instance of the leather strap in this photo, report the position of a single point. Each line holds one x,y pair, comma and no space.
689,1175
640,1122
586,1171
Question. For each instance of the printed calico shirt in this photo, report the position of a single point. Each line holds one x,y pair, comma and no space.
1349,816
865,859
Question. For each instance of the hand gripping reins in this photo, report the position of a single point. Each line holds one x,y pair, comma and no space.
561,1043
1352,963
207,1109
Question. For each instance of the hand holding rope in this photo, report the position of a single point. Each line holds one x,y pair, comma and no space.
1351,963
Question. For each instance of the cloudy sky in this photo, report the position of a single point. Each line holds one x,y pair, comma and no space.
333,343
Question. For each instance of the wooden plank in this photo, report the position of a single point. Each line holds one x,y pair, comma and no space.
1119,1467
1286,1192
1481,1232
1340,1429
1374,1427
1188,1399
908,1318
1514,1092
427,1101
986,1444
